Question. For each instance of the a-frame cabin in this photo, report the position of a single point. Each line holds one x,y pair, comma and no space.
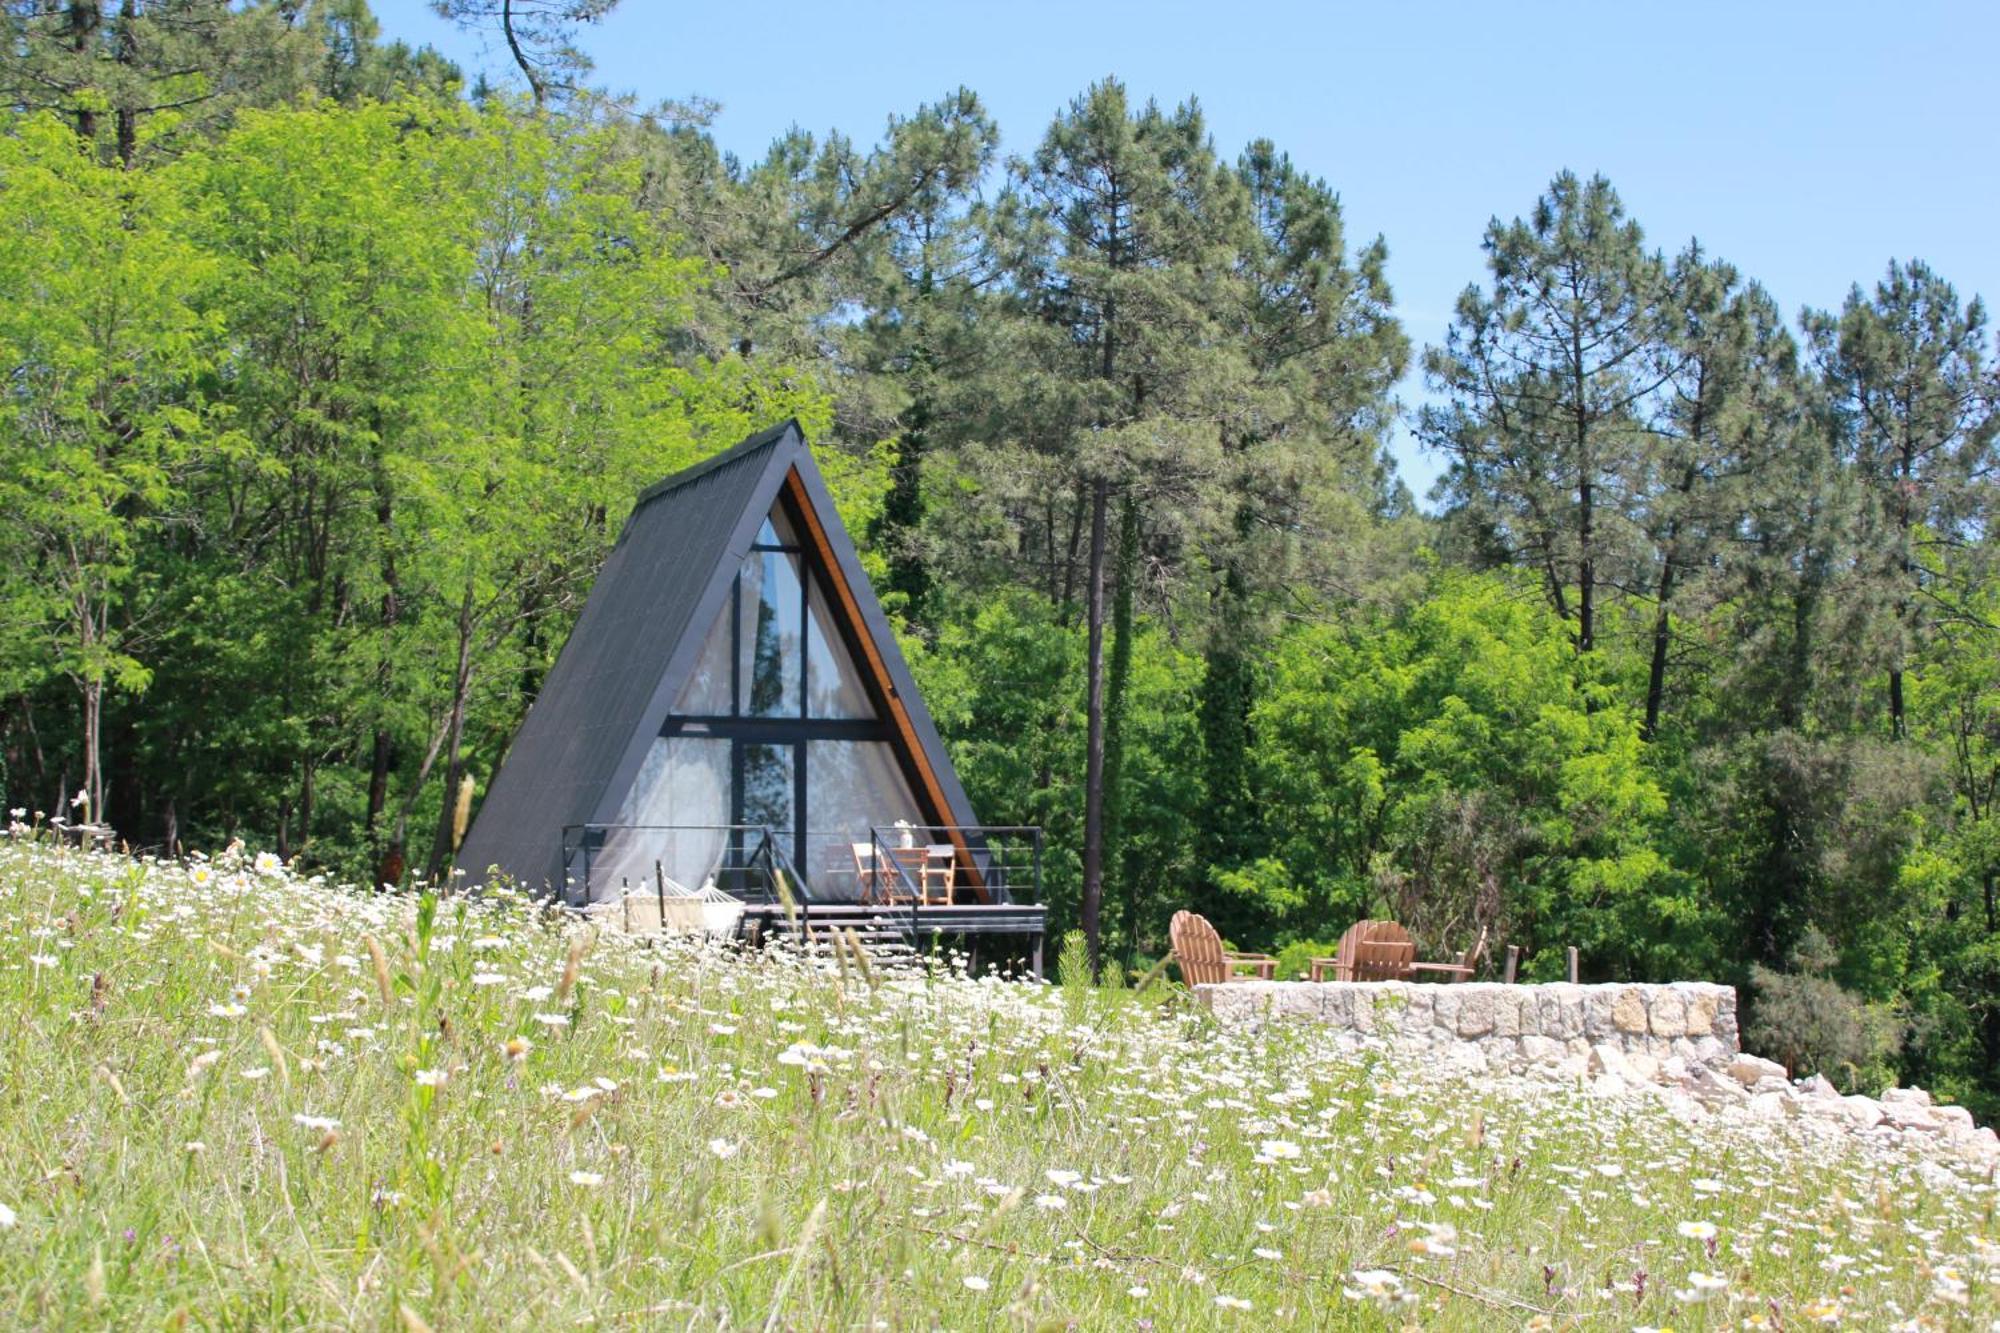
732,703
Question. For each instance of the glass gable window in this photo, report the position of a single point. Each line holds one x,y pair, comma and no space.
833,687
672,817
771,667
776,727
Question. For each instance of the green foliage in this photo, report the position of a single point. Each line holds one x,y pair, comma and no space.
1295,959
328,393
1455,763
1810,1024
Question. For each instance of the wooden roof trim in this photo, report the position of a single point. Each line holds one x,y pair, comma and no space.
899,716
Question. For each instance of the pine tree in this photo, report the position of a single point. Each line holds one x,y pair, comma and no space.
1914,400
1729,368
1544,379
1121,235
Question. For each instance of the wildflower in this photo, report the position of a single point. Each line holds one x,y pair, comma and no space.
973,1282
226,1011
1437,1240
729,1099
1279,1150
431,1078
1378,1285
268,864
1700,1287
201,1062
1052,1202
489,978
260,1072
7,1217
1231,1303
724,1148
1697,1230
517,1048
1138,1293
1266,1252
553,1020
1318,1198
325,1124
41,960
587,1179
1063,1179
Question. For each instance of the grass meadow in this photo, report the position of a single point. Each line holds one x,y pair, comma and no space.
233,1098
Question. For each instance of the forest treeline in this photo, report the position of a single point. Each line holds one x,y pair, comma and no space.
330,381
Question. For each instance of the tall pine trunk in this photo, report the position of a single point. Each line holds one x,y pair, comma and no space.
1093,763
1118,679
443,845
1656,675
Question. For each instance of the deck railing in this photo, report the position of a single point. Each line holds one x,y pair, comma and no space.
910,866
602,861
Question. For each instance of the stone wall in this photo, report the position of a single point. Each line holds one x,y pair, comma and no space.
1512,1027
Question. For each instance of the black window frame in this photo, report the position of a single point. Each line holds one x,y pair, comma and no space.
794,729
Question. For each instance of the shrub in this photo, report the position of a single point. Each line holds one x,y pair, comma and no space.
1808,1022
1295,959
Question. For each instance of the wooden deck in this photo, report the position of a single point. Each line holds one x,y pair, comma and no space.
916,928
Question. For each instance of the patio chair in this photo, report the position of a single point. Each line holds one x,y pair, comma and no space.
1369,951
1202,959
933,868
1462,969
1339,966
873,883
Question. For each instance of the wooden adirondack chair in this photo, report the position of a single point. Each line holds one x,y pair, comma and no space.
1202,959
1369,951
1464,967
1384,954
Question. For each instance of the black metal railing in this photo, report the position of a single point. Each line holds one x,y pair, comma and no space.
936,865
601,861
901,866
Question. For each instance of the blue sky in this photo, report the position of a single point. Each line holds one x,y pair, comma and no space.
1806,143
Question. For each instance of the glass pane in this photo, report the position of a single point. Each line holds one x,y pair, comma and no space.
833,685
777,529
851,787
683,784
707,692
773,618
767,788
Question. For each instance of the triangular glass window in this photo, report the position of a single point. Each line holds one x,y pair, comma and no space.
834,687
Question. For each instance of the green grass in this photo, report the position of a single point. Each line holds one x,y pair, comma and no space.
217,1109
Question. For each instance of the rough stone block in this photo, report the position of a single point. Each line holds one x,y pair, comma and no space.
1540,1050
1628,1009
1700,1008
1748,1069
1475,1012
1667,1014
1597,1021
1506,1011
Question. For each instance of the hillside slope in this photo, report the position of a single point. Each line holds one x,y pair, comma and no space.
230,1096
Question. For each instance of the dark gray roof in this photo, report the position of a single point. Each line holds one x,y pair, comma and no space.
674,549
639,636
